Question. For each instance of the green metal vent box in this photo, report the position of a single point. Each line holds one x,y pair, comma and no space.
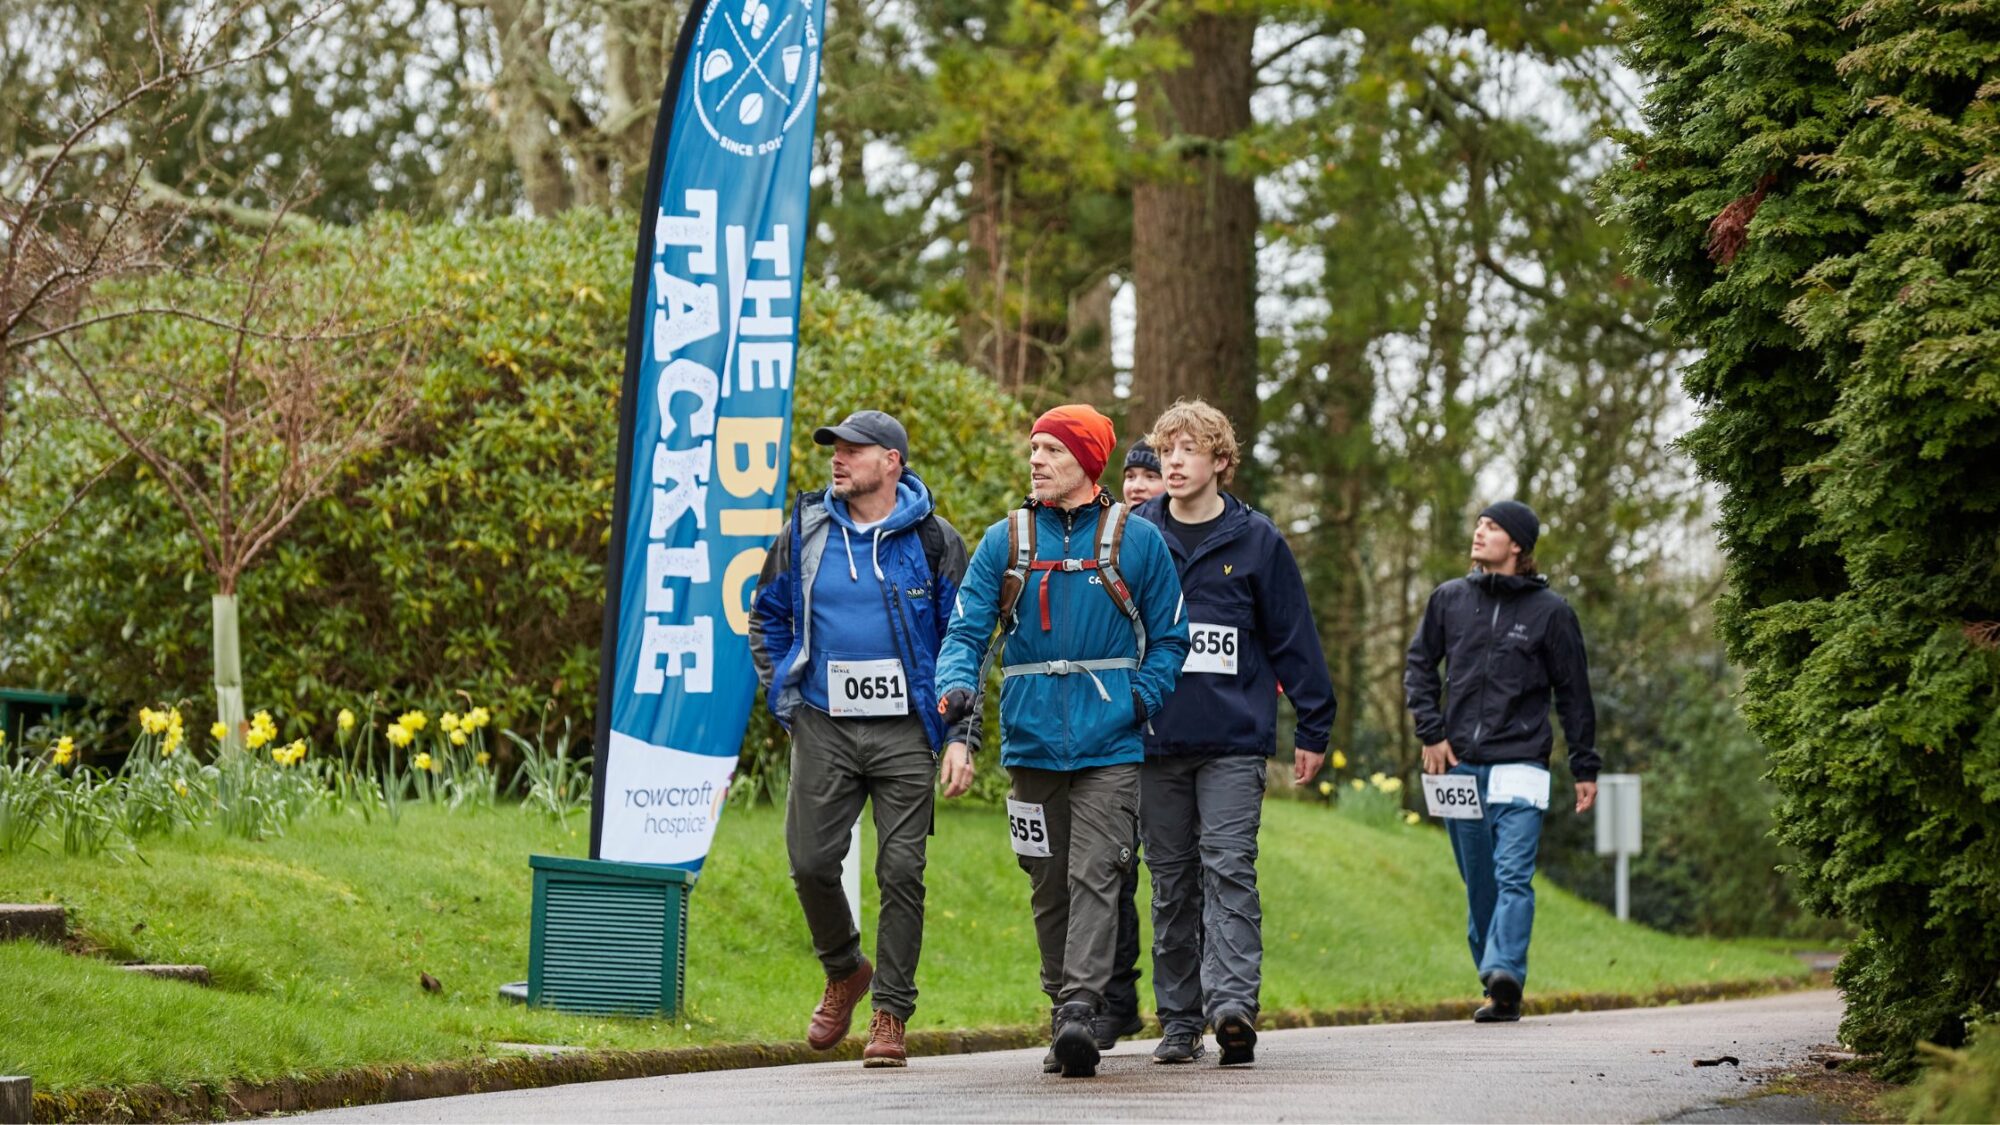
608,938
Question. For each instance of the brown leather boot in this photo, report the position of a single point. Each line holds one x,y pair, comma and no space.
885,1042
835,1013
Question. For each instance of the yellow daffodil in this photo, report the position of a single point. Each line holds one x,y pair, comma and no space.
345,720
458,738
219,731
414,720
3,738
1411,818
449,721
424,761
399,735
480,759
1377,778
477,718
1325,787
151,721
1339,760
262,730
1391,785
65,751
172,743
181,786
1358,784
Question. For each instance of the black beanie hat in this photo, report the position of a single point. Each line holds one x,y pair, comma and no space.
1141,456
1517,520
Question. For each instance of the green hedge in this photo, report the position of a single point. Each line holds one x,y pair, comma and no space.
1816,195
469,555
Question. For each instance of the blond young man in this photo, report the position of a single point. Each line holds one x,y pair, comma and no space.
1250,629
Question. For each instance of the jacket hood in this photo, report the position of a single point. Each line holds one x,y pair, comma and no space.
1508,585
913,503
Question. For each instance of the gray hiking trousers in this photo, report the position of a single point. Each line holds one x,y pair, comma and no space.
1199,818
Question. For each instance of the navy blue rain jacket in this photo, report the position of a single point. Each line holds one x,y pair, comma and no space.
1243,576
1506,642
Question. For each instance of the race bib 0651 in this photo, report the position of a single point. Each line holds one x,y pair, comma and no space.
866,689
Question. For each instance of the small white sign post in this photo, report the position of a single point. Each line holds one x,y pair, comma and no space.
1618,829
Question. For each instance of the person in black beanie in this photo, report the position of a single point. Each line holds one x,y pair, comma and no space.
1120,1015
1507,643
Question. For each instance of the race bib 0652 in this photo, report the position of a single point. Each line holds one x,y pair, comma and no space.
1452,796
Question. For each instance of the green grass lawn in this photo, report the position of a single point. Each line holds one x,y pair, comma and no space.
316,941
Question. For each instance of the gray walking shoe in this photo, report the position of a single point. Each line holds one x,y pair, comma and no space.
1179,1047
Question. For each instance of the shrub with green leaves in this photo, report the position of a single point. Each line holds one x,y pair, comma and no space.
1817,195
469,554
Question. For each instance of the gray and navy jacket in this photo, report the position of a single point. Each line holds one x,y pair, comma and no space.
911,563
1244,576
1506,641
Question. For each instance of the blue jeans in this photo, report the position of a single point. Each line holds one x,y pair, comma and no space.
1496,858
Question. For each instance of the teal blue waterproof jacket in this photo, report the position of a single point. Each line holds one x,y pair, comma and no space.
1085,718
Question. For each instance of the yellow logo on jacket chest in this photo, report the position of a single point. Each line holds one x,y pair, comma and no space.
1228,568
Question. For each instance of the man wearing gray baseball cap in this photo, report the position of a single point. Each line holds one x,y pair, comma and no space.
845,627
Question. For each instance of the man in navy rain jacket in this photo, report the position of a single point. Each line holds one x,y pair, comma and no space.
1080,679
845,626
1507,642
1250,629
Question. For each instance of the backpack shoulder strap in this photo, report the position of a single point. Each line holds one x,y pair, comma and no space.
1110,538
1021,557
932,537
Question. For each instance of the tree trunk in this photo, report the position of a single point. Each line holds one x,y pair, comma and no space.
1194,231
228,672
524,46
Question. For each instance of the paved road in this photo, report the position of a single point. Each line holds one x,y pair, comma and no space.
1599,1066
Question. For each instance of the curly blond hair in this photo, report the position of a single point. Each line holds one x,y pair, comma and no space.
1209,428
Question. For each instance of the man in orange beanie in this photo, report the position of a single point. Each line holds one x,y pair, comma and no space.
1088,606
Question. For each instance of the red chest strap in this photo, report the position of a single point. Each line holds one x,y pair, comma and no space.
1048,567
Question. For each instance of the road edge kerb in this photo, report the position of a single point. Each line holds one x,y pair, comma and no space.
378,1085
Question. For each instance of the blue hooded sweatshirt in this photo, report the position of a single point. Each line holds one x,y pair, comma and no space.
831,591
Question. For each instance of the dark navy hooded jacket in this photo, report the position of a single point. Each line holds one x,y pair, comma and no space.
1243,576
1506,642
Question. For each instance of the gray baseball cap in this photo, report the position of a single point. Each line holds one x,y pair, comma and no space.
868,427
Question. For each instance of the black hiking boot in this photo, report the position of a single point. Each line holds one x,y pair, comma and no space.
1110,1027
1075,1046
1504,1003
1236,1038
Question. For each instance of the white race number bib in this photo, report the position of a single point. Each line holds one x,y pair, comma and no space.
866,689
1027,829
1518,783
1211,649
1452,796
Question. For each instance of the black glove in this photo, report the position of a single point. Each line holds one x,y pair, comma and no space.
955,706
1138,708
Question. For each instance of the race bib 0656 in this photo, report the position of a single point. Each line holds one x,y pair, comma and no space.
1211,649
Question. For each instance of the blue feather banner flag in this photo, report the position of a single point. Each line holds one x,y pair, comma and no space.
704,431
